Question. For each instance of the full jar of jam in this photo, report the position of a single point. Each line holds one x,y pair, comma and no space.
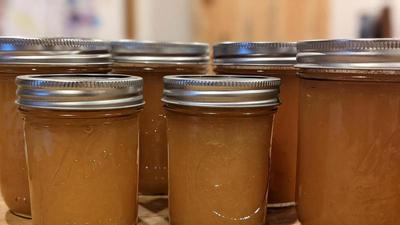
219,141
152,61
349,139
271,59
81,134
35,56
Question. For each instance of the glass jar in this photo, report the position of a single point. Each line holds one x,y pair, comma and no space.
219,139
152,61
81,134
34,56
349,149
271,59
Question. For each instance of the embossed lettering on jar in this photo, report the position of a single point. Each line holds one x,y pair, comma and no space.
34,56
82,134
219,134
349,149
152,61
275,59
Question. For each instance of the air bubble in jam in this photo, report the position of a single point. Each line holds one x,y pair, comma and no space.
107,154
88,129
21,199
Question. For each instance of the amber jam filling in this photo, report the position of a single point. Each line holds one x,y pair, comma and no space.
83,165
13,173
349,141
218,164
153,173
284,141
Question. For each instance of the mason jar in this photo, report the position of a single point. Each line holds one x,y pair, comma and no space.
81,135
219,138
349,149
275,59
35,56
152,61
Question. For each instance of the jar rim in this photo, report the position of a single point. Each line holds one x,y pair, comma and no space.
362,54
221,91
255,53
53,50
135,51
79,91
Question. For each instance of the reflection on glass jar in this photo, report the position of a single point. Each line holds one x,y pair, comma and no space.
152,61
219,139
271,59
82,134
34,56
349,148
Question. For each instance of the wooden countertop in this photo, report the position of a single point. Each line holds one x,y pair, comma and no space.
152,211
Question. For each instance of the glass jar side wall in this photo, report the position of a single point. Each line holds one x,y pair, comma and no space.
348,147
13,173
218,164
153,145
81,160
284,141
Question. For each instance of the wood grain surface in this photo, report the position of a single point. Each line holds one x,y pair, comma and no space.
259,20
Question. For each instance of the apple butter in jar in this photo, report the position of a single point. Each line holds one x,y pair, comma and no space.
275,59
219,139
20,56
152,61
349,123
82,134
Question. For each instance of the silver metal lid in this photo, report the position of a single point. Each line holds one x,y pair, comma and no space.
255,53
221,91
159,52
349,54
76,51
79,91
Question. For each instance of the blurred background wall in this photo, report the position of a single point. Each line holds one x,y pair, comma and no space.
88,18
201,20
